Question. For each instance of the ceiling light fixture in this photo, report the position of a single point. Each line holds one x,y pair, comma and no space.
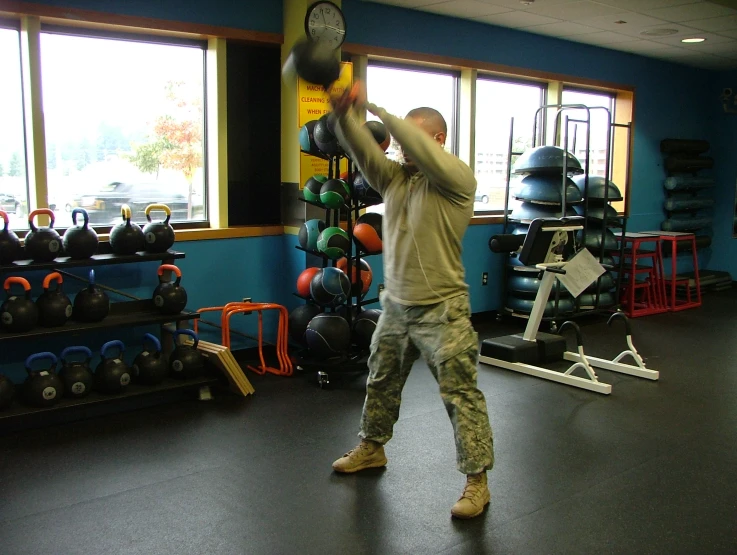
662,32
693,40
620,22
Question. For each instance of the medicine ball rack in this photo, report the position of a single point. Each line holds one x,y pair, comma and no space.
122,314
604,256
356,359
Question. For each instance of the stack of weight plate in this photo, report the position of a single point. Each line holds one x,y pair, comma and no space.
541,194
600,240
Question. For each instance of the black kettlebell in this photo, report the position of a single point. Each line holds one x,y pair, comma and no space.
7,392
159,235
127,237
150,367
80,241
54,307
43,244
76,375
42,388
186,362
9,242
313,61
112,374
170,298
18,314
92,303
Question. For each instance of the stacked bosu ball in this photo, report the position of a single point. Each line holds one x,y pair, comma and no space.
600,240
541,194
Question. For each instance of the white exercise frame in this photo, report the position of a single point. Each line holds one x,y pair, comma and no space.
590,383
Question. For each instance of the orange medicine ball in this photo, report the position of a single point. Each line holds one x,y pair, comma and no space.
303,281
367,233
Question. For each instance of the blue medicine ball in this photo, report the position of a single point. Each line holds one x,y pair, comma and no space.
330,287
309,232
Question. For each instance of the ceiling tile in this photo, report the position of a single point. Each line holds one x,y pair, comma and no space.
562,29
731,34
641,5
574,11
516,19
715,24
688,12
464,8
603,37
406,3
633,21
517,5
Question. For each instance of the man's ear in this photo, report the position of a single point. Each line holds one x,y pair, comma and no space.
440,138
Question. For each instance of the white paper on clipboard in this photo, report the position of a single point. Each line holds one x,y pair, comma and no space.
581,271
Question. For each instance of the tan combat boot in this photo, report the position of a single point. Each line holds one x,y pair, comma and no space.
368,454
475,497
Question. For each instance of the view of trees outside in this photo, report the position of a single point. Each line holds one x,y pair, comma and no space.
124,123
497,102
599,128
399,90
13,190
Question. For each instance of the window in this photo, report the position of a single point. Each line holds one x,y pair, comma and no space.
600,130
125,121
13,182
496,103
400,89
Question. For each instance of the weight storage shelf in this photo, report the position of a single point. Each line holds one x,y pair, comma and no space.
103,259
122,314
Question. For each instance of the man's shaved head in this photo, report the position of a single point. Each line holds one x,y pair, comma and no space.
430,119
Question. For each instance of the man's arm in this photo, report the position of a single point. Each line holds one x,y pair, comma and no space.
443,169
365,152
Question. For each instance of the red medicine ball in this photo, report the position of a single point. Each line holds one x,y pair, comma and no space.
303,281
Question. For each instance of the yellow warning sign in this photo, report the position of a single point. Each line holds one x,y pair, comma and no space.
311,165
312,99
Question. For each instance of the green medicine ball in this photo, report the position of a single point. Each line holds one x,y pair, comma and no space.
335,193
333,242
312,188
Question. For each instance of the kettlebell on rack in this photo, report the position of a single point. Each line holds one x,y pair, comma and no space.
186,362
170,298
9,242
54,307
159,235
80,241
150,367
112,374
127,237
7,392
92,303
42,388
76,375
43,244
18,314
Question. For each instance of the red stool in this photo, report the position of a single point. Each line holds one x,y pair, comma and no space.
673,303
642,297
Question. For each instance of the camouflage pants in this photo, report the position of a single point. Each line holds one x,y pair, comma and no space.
442,333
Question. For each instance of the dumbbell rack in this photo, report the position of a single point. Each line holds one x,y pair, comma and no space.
355,361
132,313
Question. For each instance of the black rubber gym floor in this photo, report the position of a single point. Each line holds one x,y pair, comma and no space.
648,469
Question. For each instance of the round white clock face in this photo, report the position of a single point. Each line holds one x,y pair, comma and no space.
325,23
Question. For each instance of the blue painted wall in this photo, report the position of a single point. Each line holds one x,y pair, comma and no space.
724,246
253,15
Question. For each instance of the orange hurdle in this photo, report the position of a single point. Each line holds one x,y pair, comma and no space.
285,364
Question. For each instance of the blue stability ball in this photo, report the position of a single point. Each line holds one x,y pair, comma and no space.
330,287
328,335
309,232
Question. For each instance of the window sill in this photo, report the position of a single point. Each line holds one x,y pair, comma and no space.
486,220
207,234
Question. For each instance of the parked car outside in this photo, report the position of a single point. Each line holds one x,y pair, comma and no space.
8,203
104,206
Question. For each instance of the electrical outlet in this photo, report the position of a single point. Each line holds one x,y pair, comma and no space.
485,278
381,287
246,300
